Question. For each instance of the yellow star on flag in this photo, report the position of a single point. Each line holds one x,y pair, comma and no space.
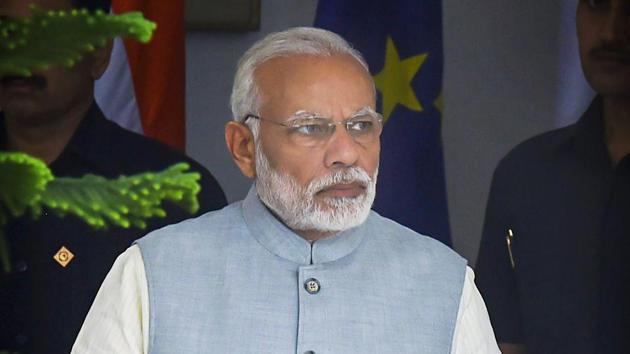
394,81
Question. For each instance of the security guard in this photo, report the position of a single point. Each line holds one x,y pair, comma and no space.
59,263
553,263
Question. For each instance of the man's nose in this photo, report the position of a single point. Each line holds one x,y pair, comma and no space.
341,150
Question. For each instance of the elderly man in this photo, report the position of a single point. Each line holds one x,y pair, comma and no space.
301,265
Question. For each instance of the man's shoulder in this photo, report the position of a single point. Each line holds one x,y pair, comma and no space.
533,176
153,152
405,241
539,148
208,227
131,153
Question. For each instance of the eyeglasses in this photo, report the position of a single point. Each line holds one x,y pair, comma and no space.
308,130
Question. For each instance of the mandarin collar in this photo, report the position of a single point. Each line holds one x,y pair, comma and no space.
586,136
589,130
89,142
91,135
86,131
283,242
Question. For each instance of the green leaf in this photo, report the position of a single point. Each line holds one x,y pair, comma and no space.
63,37
126,201
22,182
26,183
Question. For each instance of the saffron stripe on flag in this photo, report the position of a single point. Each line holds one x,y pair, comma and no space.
157,70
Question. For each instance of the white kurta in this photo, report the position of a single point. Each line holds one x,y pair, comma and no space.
118,321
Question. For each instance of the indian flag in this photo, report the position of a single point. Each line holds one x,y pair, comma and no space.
143,88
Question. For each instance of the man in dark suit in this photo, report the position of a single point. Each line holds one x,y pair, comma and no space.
553,263
59,263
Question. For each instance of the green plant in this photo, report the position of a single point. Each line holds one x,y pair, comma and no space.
62,37
28,185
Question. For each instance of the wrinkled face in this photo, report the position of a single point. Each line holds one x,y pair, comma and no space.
604,39
48,94
332,183
296,205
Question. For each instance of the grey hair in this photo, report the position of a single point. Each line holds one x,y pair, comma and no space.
245,97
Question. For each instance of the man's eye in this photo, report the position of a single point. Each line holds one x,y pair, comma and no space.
596,4
360,126
311,129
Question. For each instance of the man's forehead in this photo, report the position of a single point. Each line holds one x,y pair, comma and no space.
310,83
298,61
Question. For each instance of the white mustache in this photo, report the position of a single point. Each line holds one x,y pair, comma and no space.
348,175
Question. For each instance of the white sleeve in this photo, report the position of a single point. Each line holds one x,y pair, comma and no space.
118,321
473,331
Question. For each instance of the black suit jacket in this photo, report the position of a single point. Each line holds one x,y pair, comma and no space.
43,303
553,191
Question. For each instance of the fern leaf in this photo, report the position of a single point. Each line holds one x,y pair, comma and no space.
126,201
26,183
22,182
63,37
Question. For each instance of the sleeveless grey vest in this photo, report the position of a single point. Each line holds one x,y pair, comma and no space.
238,281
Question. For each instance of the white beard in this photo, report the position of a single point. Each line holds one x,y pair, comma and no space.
296,206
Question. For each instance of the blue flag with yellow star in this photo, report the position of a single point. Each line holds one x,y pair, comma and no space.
402,43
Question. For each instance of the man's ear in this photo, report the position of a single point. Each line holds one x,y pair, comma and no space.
240,143
100,59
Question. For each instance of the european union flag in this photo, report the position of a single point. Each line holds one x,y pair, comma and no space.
402,43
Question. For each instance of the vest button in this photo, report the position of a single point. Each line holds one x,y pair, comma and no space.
312,286
309,352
